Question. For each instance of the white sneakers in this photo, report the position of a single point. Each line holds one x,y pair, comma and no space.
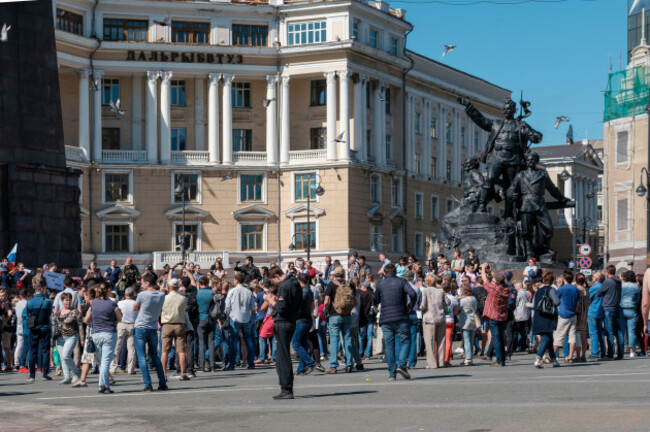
538,363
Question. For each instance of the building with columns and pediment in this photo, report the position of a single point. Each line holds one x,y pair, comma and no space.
250,105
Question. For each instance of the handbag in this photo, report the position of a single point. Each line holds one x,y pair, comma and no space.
477,319
546,305
32,320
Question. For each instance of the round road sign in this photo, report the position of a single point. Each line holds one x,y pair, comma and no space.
585,249
585,262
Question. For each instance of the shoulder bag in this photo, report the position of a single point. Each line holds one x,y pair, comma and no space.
32,320
546,305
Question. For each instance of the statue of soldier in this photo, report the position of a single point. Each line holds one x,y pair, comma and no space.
473,184
505,148
529,187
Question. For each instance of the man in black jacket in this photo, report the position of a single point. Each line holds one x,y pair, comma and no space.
610,291
252,272
287,308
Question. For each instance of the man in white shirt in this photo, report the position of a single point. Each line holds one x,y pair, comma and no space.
240,307
125,333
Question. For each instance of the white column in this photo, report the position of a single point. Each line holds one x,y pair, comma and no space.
152,116
271,120
199,113
426,131
165,117
356,140
344,113
285,114
136,119
84,126
442,143
378,141
363,143
97,116
331,115
213,117
568,192
457,147
227,118
382,124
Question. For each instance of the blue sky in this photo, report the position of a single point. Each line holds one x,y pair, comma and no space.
558,53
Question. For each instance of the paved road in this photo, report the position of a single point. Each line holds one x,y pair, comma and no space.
595,396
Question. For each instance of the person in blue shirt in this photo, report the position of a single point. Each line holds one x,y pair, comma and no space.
206,325
630,299
596,318
39,307
567,315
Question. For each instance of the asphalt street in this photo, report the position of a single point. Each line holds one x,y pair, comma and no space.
595,396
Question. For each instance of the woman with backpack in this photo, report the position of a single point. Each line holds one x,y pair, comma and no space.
545,303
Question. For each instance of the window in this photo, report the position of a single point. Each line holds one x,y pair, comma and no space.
389,148
252,237
178,139
191,182
251,187
117,187
305,234
110,138
242,140
241,95
394,46
434,124
396,237
249,35
450,205
622,150
191,230
396,192
373,39
375,189
477,144
125,30
355,29
387,100
448,171
370,149
110,90
600,213
419,205
117,238
376,238
418,244
622,223
463,136
69,22
435,210
178,92
304,184
418,123
318,93
448,132
190,32
307,33
317,138
418,163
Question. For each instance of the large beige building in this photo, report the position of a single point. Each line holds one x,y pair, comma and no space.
250,106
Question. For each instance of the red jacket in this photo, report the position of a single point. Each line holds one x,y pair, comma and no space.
496,303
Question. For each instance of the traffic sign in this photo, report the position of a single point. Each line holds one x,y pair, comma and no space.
585,249
585,262
586,272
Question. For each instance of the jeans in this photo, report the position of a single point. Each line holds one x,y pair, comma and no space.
245,329
66,345
468,344
264,343
300,343
148,337
614,330
322,338
546,344
340,324
627,319
105,343
366,334
597,337
205,331
19,358
415,337
394,332
39,346
222,339
497,329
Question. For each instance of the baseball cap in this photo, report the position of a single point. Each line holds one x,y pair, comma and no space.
338,272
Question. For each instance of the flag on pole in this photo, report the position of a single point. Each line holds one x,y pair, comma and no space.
12,257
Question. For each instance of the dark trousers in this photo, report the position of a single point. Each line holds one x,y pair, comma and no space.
613,330
497,329
509,336
189,350
283,334
206,341
39,346
519,331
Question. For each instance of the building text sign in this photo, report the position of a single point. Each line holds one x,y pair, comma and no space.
181,57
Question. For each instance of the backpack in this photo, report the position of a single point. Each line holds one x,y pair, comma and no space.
512,299
546,305
215,307
192,306
344,300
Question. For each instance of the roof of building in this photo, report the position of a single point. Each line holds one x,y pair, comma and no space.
576,151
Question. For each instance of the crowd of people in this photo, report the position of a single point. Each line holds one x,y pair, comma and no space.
183,321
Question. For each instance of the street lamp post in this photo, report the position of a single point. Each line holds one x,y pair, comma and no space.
642,191
181,190
319,191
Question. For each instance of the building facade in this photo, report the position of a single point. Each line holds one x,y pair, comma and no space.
248,107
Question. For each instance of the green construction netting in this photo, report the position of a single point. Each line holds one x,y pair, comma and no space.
627,93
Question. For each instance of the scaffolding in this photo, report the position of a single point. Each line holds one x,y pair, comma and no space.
627,93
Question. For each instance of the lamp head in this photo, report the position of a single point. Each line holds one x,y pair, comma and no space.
320,190
564,175
641,190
